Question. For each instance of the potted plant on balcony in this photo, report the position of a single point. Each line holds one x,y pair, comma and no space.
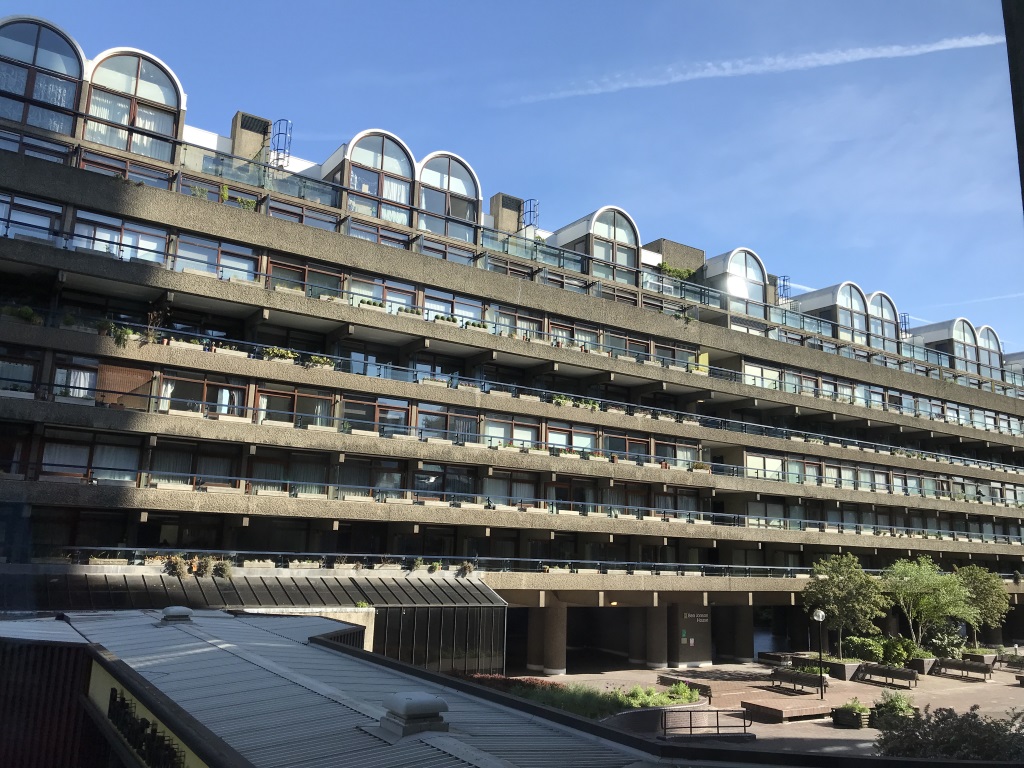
280,355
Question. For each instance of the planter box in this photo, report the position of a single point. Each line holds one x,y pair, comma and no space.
438,441
847,718
257,563
986,658
223,489
304,564
265,492
530,398
603,459
434,383
364,433
287,289
232,352
922,666
499,393
283,360
352,497
108,561
18,395
475,445
373,308
74,400
190,414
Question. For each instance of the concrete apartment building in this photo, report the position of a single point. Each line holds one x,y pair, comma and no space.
209,345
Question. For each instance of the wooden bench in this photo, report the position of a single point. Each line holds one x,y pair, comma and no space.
964,667
1010,661
887,673
781,711
783,675
1020,679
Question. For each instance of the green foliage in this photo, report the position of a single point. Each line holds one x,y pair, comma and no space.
987,594
812,669
947,735
854,705
684,693
362,604
894,703
279,353
945,644
120,335
679,274
894,651
926,596
245,204
850,598
416,564
864,648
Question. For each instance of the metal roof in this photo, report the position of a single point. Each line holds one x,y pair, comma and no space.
118,591
256,682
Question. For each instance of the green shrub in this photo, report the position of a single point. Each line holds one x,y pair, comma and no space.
951,736
946,645
863,648
854,705
894,651
812,669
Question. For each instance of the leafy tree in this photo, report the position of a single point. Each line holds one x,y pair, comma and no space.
850,598
927,596
987,594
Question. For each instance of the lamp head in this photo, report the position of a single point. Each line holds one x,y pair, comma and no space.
818,615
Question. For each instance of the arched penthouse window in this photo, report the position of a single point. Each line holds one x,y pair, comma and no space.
746,277
448,191
40,73
380,178
133,104
852,315
965,346
883,323
989,352
615,239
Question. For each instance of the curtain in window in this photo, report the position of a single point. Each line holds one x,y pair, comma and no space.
495,489
308,478
112,109
396,191
65,459
497,433
215,470
115,462
615,499
172,467
270,476
166,392
227,401
261,409
14,374
49,120
523,489
60,93
465,429
81,383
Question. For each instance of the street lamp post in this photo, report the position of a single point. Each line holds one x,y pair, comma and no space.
819,616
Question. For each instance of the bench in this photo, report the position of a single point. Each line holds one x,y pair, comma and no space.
1010,661
964,667
783,675
887,673
1020,679
781,711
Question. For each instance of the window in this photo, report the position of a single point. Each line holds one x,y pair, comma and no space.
39,77
301,214
81,454
211,394
746,281
965,347
287,472
34,147
380,180
385,416
312,281
133,106
505,429
989,352
884,325
205,190
436,482
377,234
852,314
121,239
18,369
126,169
449,423
446,252
448,198
395,296
615,242
29,218
224,260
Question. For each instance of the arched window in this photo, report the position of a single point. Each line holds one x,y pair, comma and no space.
746,277
852,315
965,346
615,239
447,191
380,178
989,352
132,104
884,323
39,77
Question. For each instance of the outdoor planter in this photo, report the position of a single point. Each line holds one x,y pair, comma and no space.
986,658
848,718
233,352
257,563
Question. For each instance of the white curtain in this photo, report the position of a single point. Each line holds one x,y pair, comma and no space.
115,462
65,459
523,489
156,121
396,191
166,391
261,412
81,383
394,215
308,478
270,476
113,109
173,467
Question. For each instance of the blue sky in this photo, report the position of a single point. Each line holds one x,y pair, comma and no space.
870,141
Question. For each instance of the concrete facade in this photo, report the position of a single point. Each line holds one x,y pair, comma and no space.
715,458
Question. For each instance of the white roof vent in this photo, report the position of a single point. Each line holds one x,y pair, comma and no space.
410,712
176,614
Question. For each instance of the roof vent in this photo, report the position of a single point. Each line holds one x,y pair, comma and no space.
176,614
410,712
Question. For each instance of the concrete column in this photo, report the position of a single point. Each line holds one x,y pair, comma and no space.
535,639
743,629
674,627
657,637
637,636
554,638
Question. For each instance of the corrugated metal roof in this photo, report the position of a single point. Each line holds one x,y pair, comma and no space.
256,682
48,630
71,592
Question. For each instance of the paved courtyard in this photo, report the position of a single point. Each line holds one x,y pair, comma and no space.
745,682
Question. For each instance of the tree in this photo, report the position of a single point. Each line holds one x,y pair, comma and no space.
927,596
987,594
850,598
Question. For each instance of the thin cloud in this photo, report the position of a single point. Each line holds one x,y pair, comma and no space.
763,66
979,301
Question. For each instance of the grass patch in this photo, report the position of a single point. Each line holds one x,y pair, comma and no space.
584,700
